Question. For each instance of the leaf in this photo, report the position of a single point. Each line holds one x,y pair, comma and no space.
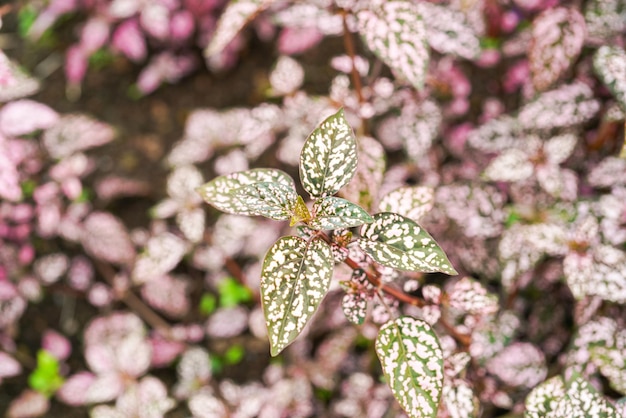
520,364
300,212
226,193
396,33
448,30
460,400
566,106
237,14
583,401
295,278
412,362
354,306
74,133
335,213
269,199
363,188
328,159
611,360
398,242
411,202
470,296
558,35
610,66
542,400
605,17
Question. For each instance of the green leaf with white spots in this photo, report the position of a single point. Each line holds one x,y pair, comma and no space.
272,200
543,399
295,278
412,361
226,193
328,159
335,213
396,241
460,400
412,202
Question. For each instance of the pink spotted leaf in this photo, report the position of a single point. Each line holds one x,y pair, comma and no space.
610,65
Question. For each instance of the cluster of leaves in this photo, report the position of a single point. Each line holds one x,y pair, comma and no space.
521,178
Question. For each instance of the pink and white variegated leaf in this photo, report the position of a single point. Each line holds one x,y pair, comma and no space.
412,202
287,76
354,307
105,237
609,62
295,278
609,172
191,222
14,83
368,177
237,14
412,361
496,135
599,272
611,360
74,133
395,31
470,296
605,18
29,403
460,400
23,117
519,364
161,254
336,213
226,193
8,366
566,106
398,242
448,30
167,294
328,159
558,35
511,165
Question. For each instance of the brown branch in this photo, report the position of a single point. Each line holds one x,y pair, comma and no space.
135,304
350,50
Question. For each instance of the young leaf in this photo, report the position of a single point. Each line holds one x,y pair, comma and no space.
412,202
230,193
412,361
396,33
335,213
610,65
558,35
398,242
328,159
295,278
300,212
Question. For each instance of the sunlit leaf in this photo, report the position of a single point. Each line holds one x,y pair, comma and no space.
328,159
448,30
398,242
412,361
411,202
395,31
543,399
610,65
237,14
300,212
295,278
230,193
335,213
558,35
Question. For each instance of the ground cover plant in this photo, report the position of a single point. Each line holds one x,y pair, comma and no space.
498,127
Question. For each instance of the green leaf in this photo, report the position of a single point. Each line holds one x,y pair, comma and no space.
46,378
208,303
272,200
231,194
328,159
543,399
232,293
234,354
583,401
398,242
611,360
295,278
412,202
412,362
335,213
